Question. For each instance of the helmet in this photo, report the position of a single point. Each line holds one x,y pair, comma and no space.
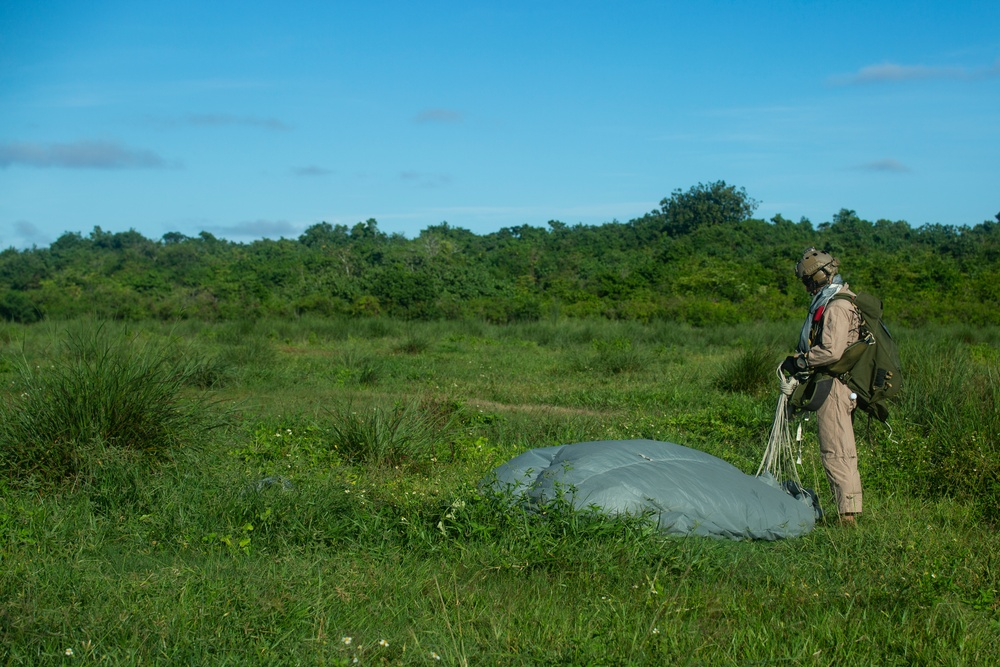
816,268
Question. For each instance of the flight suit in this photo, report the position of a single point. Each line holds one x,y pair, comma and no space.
838,327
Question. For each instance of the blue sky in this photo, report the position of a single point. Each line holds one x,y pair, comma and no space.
259,119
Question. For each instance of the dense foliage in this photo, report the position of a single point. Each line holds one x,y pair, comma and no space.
701,258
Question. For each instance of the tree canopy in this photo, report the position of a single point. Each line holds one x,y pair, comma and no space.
704,205
701,258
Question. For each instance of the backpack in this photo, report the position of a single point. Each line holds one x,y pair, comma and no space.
870,367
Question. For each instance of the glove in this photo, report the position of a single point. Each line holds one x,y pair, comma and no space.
795,365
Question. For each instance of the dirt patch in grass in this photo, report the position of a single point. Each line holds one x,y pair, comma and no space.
536,408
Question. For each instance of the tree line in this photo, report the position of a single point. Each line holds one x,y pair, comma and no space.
700,258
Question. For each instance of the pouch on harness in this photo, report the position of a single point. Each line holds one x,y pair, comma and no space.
870,367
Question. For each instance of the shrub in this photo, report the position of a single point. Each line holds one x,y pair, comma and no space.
245,356
106,389
252,359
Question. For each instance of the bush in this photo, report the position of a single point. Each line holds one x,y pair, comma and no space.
106,389
252,359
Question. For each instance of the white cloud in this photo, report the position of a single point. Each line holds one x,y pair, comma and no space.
891,72
568,212
79,155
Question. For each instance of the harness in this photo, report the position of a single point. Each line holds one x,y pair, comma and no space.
811,394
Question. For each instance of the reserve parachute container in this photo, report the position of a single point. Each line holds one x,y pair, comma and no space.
685,491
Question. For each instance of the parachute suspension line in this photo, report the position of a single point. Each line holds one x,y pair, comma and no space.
779,459
890,432
868,430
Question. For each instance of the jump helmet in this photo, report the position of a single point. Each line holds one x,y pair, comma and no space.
816,268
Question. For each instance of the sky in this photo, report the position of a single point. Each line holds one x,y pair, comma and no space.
259,119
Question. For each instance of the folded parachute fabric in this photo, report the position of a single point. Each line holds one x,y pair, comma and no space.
686,491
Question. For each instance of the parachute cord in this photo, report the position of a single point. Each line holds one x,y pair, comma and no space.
779,458
868,431
889,426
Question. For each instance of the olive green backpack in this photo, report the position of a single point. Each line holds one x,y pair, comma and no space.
870,367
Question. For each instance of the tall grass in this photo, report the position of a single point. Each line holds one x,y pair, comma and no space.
105,388
750,372
383,436
950,409
361,365
618,355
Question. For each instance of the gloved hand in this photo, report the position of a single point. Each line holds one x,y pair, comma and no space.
794,365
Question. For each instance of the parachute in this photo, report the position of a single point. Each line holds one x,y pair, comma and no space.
686,491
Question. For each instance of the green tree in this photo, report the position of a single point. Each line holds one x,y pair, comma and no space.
706,205
173,237
324,234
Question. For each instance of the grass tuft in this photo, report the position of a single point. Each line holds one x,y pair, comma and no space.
618,355
752,372
106,389
413,344
382,436
363,367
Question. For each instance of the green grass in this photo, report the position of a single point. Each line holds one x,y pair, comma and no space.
269,544
101,390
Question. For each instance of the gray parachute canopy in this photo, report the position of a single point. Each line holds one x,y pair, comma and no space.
688,492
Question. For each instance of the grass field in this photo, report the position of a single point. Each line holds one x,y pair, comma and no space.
304,493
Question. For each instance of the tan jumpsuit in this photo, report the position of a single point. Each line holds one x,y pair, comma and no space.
841,326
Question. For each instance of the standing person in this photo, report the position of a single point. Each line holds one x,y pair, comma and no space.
831,326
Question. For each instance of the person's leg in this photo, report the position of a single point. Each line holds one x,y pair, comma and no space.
838,449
